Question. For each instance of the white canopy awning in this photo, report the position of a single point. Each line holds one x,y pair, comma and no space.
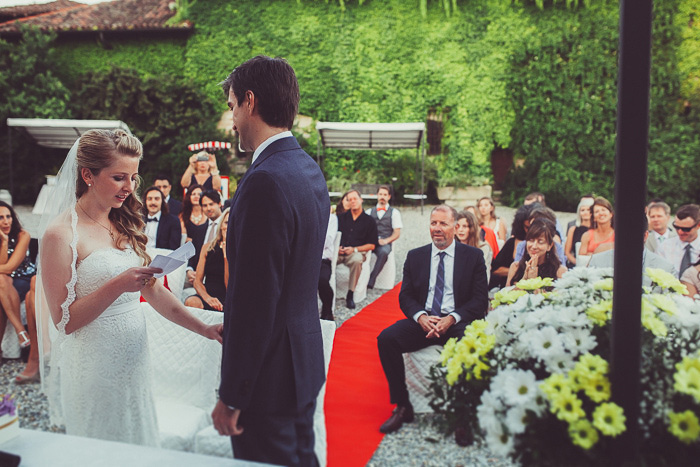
354,135
375,136
62,133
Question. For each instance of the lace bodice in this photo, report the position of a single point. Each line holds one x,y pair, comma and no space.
104,369
102,265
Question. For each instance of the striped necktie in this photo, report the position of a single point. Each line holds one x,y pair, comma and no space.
439,286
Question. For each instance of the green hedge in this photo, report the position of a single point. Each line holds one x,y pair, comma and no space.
563,87
537,77
29,89
165,112
151,55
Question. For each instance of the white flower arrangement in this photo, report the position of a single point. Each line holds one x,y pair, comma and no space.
532,378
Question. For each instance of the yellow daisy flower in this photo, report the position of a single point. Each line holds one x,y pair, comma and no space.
535,283
448,350
666,280
597,388
684,426
663,302
510,296
651,321
609,418
604,284
688,382
555,385
687,363
592,364
600,312
583,433
454,370
567,407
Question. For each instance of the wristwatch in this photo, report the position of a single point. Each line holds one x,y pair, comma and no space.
215,173
355,250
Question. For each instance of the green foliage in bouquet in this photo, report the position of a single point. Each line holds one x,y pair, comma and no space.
466,362
532,378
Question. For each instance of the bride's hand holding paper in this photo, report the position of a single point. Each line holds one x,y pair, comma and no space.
135,279
174,260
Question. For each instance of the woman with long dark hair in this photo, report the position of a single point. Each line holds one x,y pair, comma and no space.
467,232
211,277
193,223
16,271
505,257
540,258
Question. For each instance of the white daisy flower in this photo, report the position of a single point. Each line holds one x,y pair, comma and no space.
544,343
488,418
578,340
516,418
499,442
519,386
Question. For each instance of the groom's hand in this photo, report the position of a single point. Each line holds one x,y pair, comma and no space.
226,420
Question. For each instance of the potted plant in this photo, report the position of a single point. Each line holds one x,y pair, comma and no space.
532,378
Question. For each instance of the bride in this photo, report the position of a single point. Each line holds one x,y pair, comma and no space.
92,270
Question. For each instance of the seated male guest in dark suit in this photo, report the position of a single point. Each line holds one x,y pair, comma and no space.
272,358
162,228
162,182
444,289
210,201
358,238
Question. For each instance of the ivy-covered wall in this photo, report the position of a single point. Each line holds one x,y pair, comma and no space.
536,77
379,62
148,53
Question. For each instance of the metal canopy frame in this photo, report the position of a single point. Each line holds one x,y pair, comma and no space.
375,136
55,133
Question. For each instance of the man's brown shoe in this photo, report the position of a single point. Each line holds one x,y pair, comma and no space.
400,416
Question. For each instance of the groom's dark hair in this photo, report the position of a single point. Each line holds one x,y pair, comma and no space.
274,85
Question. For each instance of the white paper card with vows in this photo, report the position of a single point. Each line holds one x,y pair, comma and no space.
173,261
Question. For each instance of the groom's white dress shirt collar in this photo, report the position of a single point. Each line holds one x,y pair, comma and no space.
269,141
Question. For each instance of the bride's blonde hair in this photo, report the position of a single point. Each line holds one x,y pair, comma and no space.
96,151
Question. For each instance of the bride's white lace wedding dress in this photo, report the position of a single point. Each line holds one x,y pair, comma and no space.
105,381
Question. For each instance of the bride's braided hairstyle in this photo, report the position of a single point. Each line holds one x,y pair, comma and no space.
96,151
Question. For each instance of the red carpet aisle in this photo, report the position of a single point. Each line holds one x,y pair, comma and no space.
357,394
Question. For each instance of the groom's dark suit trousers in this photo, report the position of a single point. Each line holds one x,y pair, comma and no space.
402,337
277,440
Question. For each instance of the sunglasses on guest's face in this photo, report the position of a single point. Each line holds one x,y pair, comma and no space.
684,229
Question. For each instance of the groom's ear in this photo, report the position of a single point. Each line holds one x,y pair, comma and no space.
250,102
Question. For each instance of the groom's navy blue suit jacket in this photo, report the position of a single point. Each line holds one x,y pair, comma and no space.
272,351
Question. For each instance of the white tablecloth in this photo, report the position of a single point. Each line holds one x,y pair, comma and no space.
41,449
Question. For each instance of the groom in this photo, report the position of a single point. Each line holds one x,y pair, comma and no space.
272,367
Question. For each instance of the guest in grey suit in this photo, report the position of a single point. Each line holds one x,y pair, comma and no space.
650,259
659,216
